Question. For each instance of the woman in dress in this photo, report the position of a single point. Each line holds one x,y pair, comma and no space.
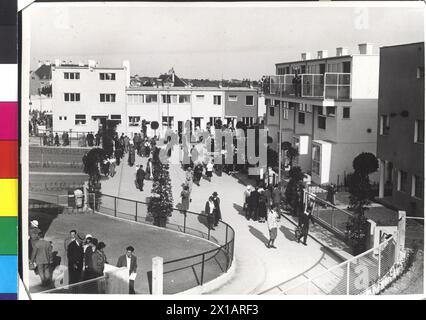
273,219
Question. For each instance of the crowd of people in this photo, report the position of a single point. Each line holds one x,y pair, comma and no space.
38,118
85,258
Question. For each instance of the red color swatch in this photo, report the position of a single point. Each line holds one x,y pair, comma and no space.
8,159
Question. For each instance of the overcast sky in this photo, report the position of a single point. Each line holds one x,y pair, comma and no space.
211,42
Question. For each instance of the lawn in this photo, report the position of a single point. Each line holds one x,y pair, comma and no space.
148,242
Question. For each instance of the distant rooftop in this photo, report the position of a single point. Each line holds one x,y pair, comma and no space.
160,88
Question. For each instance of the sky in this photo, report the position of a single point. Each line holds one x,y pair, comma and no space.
212,41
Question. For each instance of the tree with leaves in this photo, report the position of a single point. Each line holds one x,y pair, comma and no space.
290,152
161,201
360,197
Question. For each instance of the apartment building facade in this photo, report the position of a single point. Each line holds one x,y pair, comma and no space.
400,139
328,110
87,96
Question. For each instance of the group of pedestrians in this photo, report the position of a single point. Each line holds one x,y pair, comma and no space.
257,200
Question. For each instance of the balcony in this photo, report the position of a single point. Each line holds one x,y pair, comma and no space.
336,86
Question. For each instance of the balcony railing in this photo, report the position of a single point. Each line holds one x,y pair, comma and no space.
336,85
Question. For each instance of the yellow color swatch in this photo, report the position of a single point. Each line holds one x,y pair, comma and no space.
8,197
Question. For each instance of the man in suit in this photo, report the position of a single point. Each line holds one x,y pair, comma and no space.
75,256
129,260
217,212
42,256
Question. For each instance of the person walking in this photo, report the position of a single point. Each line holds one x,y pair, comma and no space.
126,143
98,266
253,204
131,160
98,138
304,220
57,143
185,199
262,205
75,257
112,167
209,211
209,171
88,252
273,219
129,260
42,259
148,171
140,176
217,212
276,198
246,196
90,138
33,233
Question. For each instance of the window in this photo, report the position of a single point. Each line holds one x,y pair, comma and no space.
107,97
106,76
304,107
65,118
185,98
150,98
135,98
402,181
320,110
419,131
267,102
168,121
417,187
301,116
248,121
316,159
60,118
80,119
217,100
233,98
271,111
420,73
72,75
285,113
72,97
116,117
331,111
134,121
346,112
321,122
169,98
277,103
213,120
249,101
384,124
199,97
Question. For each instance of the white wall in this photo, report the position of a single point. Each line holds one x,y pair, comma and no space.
365,77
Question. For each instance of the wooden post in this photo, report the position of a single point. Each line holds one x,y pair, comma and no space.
157,276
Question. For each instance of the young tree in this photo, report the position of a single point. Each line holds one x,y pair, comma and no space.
161,201
360,194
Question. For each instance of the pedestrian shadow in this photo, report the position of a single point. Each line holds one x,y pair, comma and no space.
288,233
258,234
202,218
239,209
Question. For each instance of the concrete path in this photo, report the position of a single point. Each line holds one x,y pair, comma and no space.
257,267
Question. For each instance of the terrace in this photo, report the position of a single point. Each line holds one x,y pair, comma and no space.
330,85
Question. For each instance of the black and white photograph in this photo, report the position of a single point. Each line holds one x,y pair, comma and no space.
272,150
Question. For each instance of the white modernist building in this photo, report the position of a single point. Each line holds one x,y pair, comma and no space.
85,96
329,114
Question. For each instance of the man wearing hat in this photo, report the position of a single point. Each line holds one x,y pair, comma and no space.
34,232
247,193
217,212
75,256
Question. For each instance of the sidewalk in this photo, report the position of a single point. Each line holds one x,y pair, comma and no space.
257,267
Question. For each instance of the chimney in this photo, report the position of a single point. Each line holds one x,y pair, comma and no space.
341,51
47,63
39,64
126,66
92,63
365,48
57,62
322,54
306,56
81,64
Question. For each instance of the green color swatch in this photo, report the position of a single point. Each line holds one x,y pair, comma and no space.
8,236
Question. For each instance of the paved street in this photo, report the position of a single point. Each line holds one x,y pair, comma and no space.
257,267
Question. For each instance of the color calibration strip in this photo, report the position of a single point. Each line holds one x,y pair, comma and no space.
8,152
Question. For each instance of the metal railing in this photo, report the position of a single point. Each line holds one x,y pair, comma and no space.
186,272
77,139
178,274
352,277
329,85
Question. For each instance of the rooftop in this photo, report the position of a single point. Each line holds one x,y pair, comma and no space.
169,89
